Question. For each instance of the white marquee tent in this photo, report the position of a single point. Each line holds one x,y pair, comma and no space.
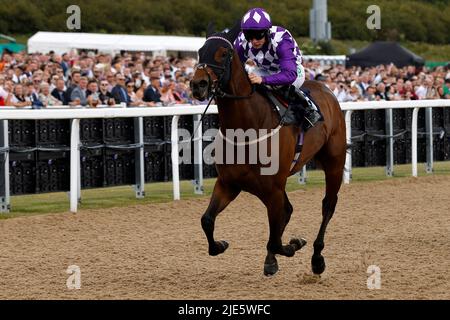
61,42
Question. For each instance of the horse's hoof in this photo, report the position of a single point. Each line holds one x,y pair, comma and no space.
270,269
220,247
318,264
224,245
297,243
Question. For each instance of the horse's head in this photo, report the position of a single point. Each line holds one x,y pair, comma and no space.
214,68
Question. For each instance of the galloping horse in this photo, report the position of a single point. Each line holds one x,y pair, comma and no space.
221,73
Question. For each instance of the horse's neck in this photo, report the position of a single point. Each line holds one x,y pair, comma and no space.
253,112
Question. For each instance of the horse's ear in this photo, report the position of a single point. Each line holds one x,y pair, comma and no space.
210,29
234,32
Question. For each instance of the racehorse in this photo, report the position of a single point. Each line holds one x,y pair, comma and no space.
221,74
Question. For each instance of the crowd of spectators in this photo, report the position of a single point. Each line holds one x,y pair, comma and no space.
90,79
384,82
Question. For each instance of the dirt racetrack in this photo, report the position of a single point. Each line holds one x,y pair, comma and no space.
159,251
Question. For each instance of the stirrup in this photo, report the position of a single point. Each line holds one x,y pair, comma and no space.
311,115
310,119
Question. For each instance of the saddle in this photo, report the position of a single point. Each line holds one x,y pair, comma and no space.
284,102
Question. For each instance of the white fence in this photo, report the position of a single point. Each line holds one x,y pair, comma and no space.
176,111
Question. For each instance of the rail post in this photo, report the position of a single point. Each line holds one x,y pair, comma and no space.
175,156
302,175
4,169
429,130
139,187
348,157
198,155
74,164
389,144
414,142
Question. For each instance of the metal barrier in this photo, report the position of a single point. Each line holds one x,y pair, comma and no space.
176,111
389,106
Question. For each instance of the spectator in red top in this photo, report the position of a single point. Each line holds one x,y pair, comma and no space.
408,92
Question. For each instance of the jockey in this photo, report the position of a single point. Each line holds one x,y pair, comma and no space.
278,59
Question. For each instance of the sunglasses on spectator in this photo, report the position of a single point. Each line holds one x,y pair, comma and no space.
254,34
104,84
130,86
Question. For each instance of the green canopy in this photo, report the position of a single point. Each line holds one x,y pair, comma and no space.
12,46
432,64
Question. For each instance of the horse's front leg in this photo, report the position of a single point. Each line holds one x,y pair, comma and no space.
222,195
279,211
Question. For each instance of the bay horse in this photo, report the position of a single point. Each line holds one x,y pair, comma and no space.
220,73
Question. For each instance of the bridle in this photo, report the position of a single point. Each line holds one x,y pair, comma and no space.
222,73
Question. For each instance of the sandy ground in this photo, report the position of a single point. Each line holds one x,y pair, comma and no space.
159,251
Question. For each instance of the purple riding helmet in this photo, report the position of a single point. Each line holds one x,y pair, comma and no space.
256,19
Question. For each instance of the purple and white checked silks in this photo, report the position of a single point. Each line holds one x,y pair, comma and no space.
280,57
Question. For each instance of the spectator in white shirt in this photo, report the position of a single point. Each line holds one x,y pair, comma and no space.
341,92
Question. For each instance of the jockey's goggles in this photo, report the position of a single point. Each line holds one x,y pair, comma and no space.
254,34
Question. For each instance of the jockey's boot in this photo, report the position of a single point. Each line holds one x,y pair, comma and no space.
306,113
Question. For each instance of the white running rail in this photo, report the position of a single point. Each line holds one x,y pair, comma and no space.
11,113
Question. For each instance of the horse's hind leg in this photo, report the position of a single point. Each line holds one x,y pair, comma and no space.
333,178
221,197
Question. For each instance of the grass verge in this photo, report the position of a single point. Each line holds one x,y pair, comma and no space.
162,192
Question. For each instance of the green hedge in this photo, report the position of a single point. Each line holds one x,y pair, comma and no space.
412,20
